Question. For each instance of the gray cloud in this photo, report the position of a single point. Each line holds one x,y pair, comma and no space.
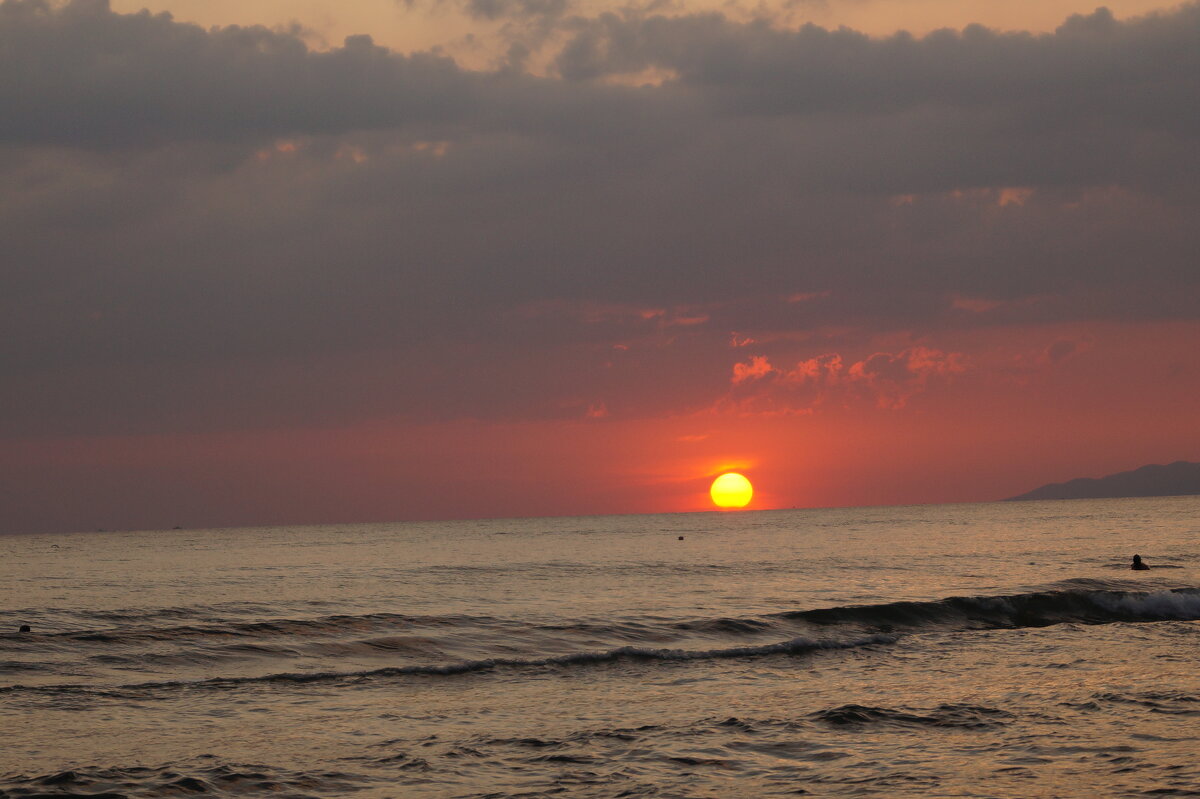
83,75
1092,63
365,233
521,9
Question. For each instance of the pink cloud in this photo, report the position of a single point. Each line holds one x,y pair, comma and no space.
823,369
740,341
887,380
757,368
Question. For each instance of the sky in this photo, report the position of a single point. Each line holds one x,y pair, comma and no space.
268,262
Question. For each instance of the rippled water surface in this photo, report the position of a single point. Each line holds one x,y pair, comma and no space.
964,650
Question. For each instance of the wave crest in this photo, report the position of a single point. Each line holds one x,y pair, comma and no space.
1038,609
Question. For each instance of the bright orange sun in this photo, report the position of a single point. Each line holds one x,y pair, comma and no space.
731,490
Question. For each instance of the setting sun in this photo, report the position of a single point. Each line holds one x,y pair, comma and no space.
731,490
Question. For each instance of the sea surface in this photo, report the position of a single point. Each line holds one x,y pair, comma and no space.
988,650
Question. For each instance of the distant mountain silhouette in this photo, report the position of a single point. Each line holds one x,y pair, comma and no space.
1174,479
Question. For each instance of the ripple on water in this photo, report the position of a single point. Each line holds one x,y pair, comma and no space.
965,716
204,775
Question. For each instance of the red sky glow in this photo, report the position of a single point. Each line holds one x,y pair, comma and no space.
273,263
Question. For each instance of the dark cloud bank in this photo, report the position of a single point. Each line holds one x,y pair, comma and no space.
209,229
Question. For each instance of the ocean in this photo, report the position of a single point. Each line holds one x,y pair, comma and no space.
980,650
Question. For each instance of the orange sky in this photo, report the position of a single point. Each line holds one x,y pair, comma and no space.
526,258
1005,426
417,25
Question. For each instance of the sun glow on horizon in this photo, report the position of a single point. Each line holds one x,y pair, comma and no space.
731,490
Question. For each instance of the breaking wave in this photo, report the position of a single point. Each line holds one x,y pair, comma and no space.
1037,609
1085,604
366,647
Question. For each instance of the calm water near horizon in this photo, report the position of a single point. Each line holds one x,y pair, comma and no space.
999,649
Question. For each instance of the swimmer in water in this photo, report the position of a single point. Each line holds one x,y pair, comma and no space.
1137,564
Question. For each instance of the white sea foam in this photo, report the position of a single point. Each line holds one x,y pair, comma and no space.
1183,605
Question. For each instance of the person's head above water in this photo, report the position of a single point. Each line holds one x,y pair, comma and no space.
1137,563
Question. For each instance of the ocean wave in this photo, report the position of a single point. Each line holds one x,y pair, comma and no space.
1036,609
1176,703
798,646
323,626
724,626
961,716
1085,601
327,648
204,775
14,666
